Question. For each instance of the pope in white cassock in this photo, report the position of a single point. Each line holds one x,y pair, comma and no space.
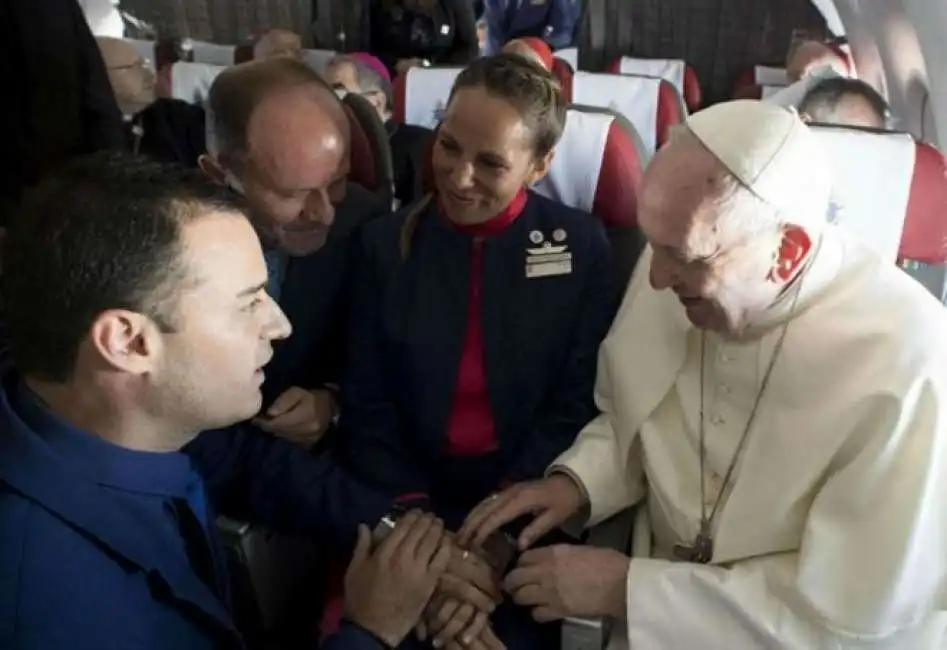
773,396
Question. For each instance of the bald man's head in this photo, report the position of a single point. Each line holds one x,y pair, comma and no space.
277,133
847,102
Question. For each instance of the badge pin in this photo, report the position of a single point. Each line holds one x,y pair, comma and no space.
559,235
445,30
536,237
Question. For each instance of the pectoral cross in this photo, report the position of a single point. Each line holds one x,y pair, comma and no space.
700,552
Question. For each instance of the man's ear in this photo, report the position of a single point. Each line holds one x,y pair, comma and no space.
125,340
793,252
540,168
212,167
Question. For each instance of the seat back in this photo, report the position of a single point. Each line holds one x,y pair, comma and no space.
318,59
211,53
753,83
192,81
674,71
563,72
371,153
420,96
889,190
651,104
568,54
793,94
924,240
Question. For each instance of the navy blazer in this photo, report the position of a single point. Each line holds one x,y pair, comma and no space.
91,560
554,21
314,296
541,338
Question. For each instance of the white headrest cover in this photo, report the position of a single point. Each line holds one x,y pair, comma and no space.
768,76
671,70
570,55
145,49
772,153
192,81
634,97
871,183
318,59
792,95
573,175
211,53
426,91
103,17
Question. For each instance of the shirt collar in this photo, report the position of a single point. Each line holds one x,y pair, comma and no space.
156,473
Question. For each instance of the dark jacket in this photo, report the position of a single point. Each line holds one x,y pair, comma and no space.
58,102
445,36
554,21
104,548
169,131
540,336
314,295
410,147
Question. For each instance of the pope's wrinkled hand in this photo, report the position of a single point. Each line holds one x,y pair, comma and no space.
566,580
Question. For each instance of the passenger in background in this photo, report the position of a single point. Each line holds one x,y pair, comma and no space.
533,48
554,21
408,33
848,102
811,56
365,75
276,43
277,134
149,325
164,129
477,317
61,104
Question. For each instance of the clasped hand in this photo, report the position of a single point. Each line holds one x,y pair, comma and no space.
458,616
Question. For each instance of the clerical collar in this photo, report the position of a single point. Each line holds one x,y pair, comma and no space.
156,473
497,223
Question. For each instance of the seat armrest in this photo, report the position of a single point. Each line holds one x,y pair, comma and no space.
593,633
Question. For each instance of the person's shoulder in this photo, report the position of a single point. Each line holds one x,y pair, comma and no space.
384,232
577,225
359,206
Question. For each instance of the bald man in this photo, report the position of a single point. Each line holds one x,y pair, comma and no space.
277,133
847,102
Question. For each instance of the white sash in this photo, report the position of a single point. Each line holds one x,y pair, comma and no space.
426,91
634,97
871,174
573,175
192,81
671,70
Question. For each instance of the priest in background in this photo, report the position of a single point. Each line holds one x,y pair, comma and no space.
773,397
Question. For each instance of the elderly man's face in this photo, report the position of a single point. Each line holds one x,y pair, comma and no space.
295,170
132,82
721,276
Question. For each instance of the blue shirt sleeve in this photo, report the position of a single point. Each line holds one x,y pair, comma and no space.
563,22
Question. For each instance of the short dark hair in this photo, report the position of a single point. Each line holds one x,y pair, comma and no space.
824,99
238,91
103,232
528,87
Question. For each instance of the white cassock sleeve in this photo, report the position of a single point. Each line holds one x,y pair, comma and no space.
871,568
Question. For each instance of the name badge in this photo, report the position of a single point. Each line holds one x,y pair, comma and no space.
548,265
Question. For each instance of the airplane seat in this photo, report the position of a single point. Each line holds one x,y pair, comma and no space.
750,84
923,251
889,190
192,81
570,55
651,104
371,154
212,53
676,71
419,97
563,73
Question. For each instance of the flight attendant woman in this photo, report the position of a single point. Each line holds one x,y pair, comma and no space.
478,313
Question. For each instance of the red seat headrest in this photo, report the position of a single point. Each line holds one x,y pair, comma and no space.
674,71
925,229
366,150
652,105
